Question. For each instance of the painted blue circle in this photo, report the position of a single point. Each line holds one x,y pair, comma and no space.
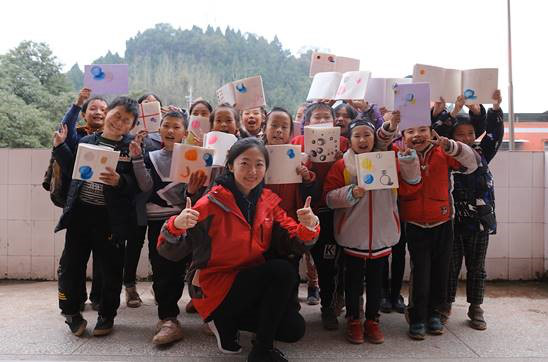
469,94
368,179
208,159
409,97
86,172
291,153
97,72
241,88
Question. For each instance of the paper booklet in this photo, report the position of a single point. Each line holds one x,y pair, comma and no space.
221,143
334,85
324,62
284,160
107,78
413,102
149,118
477,85
188,159
380,91
243,94
321,142
377,170
92,160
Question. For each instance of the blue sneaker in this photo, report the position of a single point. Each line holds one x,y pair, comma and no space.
417,331
435,326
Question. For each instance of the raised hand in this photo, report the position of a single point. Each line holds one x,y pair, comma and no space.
188,218
110,177
439,106
497,100
459,103
441,141
358,192
83,96
395,120
304,172
475,109
60,135
197,180
135,149
306,215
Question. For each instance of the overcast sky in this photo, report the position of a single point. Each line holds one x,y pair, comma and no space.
389,37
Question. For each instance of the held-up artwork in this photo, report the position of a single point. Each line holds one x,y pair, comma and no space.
377,170
221,143
91,160
149,118
107,78
321,142
284,160
187,159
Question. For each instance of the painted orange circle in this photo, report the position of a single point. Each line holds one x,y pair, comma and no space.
422,72
104,160
191,155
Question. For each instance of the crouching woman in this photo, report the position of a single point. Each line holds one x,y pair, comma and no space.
239,279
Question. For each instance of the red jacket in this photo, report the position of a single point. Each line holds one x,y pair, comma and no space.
430,201
224,242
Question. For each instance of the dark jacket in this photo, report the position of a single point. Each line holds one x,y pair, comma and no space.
443,123
119,200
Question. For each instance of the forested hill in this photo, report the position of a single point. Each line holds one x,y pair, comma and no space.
170,61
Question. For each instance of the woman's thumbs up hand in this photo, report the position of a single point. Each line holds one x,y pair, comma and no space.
306,215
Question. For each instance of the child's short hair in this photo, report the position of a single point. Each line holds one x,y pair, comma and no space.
314,107
88,102
146,95
352,113
129,104
175,114
361,122
202,102
232,109
282,110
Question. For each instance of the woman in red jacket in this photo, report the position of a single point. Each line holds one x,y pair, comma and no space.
230,231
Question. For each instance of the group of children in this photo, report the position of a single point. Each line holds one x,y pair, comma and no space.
240,245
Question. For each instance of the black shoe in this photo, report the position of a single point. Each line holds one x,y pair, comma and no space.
261,354
103,327
398,305
329,319
77,324
386,306
227,340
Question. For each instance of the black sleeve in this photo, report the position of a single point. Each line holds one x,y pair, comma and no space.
478,121
494,134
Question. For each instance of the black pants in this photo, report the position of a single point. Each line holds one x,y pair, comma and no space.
168,277
133,253
392,286
326,254
473,248
430,250
96,282
354,274
88,230
259,301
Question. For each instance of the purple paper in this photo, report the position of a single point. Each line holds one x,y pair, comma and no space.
106,78
413,102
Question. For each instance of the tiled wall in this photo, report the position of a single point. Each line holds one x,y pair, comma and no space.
30,250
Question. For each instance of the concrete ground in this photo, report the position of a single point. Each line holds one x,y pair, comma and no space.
32,329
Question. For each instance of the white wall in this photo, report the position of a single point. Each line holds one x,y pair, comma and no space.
30,250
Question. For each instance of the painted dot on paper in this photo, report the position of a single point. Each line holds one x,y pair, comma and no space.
103,160
195,124
368,179
191,155
208,158
89,156
212,139
85,172
291,153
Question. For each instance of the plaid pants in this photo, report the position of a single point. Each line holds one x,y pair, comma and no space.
473,247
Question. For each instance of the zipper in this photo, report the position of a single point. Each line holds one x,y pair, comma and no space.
370,223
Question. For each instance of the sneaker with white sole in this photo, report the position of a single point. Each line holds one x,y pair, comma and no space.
227,340
170,331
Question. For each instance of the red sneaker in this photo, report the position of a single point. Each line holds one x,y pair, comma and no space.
354,331
373,332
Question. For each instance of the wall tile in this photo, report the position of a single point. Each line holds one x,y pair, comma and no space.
537,267
3,266
520,204
19,166
499,168
4,161
537,205
42,238
497,268
19,267
18,202
520,240
41,207
502,204
19,238
3,202
3,237
39,164
520,172
42,267
537,242
498,243
59,241
538,169
519,269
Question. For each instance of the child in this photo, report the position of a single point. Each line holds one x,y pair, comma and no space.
429,229
200,108
325,252
253,121
152,173
474,197
279,128
366,226
344,114
233,287
298,122
98,217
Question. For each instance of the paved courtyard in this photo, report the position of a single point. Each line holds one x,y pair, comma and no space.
32,329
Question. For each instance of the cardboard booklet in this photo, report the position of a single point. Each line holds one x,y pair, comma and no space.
324,62
377,170
413,102
107,78
198,126
321,142
477,85
243,94
92,160
380,91
284,160
187,159
221,143
333,85
149,119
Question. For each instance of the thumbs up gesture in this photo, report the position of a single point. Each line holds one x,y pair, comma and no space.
188,218
306,216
